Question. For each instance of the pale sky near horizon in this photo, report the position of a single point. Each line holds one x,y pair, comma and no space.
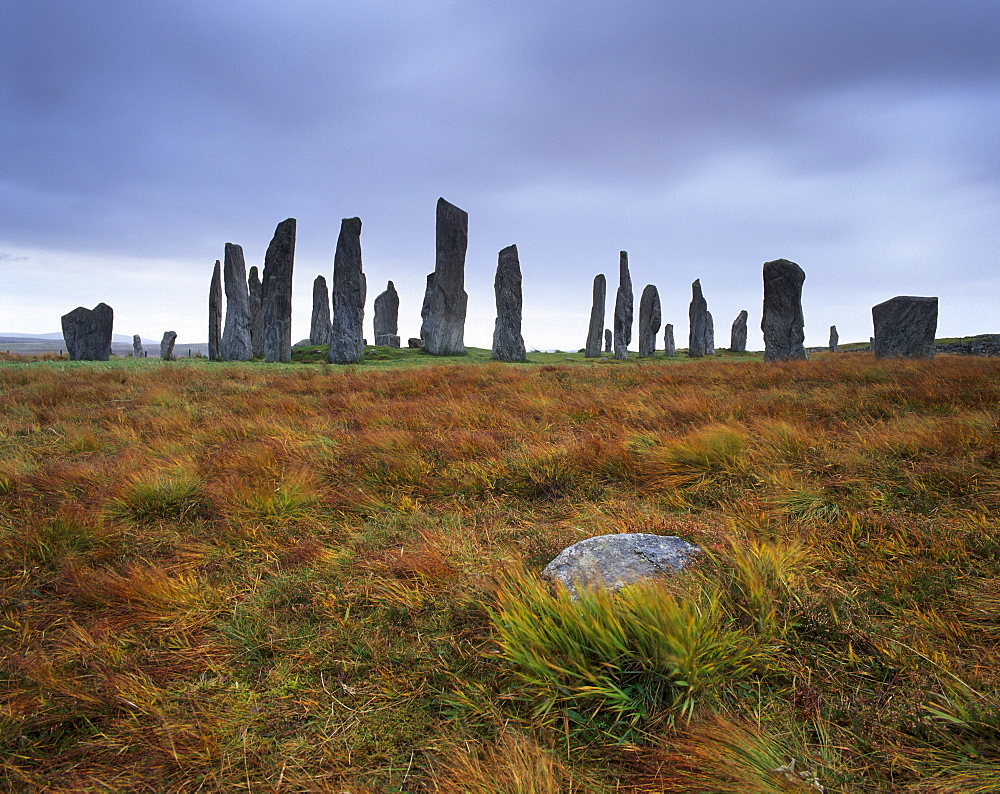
859,139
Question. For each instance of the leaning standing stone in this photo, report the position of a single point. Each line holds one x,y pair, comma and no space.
834,339
649,320
387,313
167,345
608,340
668,341
624,303
738,336
215,314
905,327
137,351
782,322
319,326
236,333
698,322
349,290
87,332
277,304
256,313
593,347
508,345
445,327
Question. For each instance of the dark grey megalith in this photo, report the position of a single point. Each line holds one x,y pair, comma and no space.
215,314
167,345
256,313
425,307
608,340
905,327
624,306
615,561
349,292
669,348
415,342
697,322
319,325
87,332
387,314
137,351
236,332
508,344
782,321
709,334
594,333
444,329
649,320
276,307
834,339
738,335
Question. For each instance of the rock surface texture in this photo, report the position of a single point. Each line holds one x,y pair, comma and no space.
415,342
387,313
167,345
595,332
215,314
444,329
649,320
236,333
508,344
608,340
387,340
276,307
349,292
319,326
87,332
905,327
616,561
137,351
256,313
669,349
738,335
709,334
697,322
834,339
782,321
624,307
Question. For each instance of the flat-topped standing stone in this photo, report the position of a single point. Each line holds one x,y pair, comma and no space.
593,346
444,329
782,322
137,351
277,298
508,344
609,340
387,340
167,345
738,335
87,332
834,339
215,314
624,306
905,327
649,320
319,326
349,292
236,333
256,313
698,322
668,341
387,314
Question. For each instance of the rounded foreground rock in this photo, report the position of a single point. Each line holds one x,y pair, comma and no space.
616,561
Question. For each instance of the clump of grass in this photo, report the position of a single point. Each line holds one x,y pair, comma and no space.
162,497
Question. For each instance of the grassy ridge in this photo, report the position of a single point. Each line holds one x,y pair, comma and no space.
306,577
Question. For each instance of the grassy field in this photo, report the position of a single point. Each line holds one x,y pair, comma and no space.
313,578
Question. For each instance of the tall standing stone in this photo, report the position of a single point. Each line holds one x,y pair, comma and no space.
593,348
905,327
649,320
508,344
709,334
137,351
782,321
445,325
277,293
349,292
167,345
236,333
624,306
319,328
215,314
608,340
668,341
387,314
256,313
738,335
834,339
87,332
697,322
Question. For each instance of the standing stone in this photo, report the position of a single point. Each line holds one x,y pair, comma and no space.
425,307
349,292
387,314
387,340
87,332
444,329
137,351
608,340
649,320
782,322
236,333
319,328
738,336
508,345
709,334
697,322
593,348
215,314
624,304
256,313
276,304
668,341
905,327
167,345
834,339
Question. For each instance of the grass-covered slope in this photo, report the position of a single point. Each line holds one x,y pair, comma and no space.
307,578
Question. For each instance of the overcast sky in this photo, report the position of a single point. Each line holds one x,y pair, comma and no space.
858,138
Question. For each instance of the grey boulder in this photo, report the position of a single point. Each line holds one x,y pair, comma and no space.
87,332
905,327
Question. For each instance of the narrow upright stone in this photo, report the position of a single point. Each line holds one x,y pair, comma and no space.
668,341
256,313
319,328
167,345
738,336
593,348
624,306
649,320
215,314
236,333
782,321
387,314
137,351
425,307
697,322
508,345
349,292
905,327
709,334
444,329
87,332
834,339
608,340
276,306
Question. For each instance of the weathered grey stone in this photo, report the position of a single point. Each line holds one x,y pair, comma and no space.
256,313
508,344
668,341
905,327
616,561
738,335
608,340
87,332
137,351
593,347
834,339
698,322
349,290
649,320
319,326
387,340
215,314
415,342
444,330
167,345
236,333
387,313
425,307
624,306
276,307
782,321
709,334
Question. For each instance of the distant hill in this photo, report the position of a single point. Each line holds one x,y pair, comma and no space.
121,345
